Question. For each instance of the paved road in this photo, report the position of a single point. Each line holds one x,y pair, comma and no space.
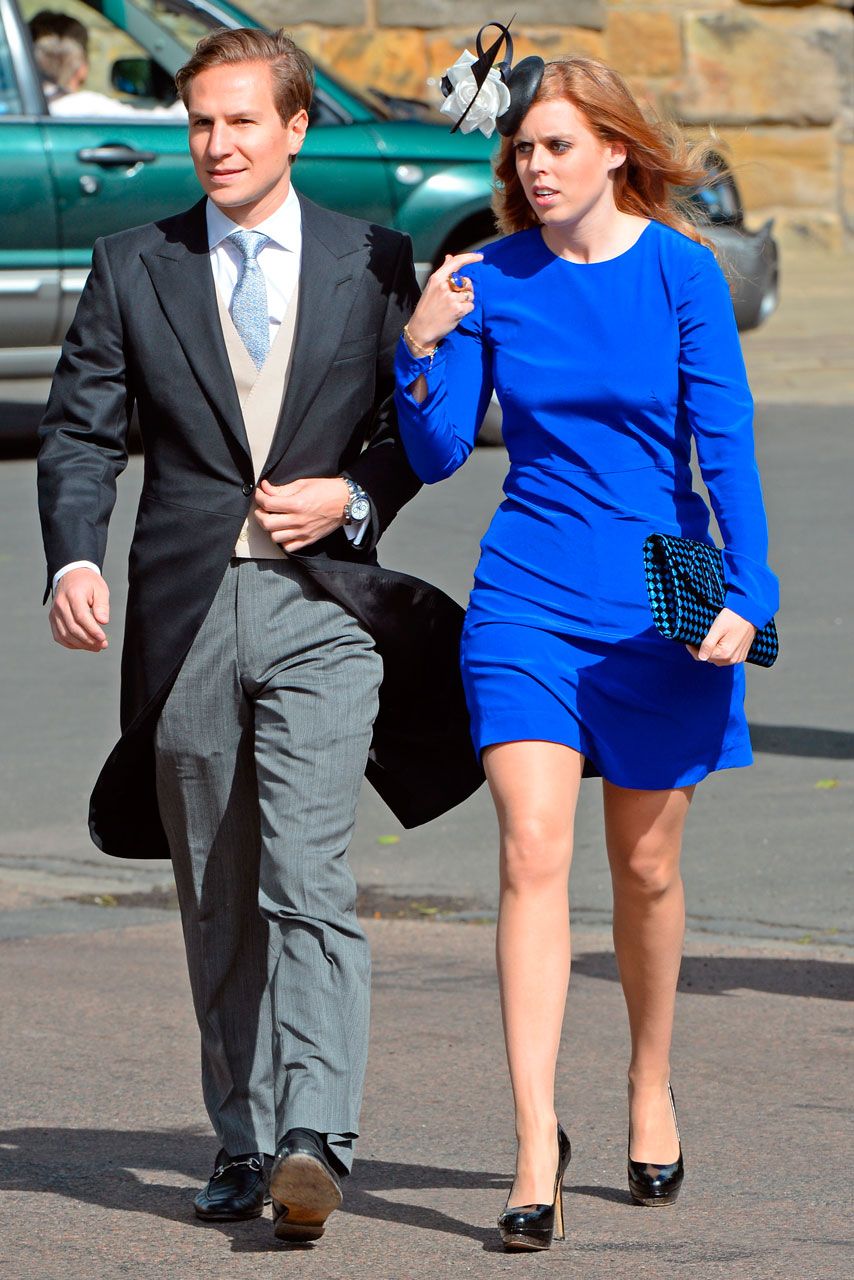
768,851
103,1139
102,1134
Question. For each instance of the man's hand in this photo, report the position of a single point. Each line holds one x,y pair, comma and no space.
302,512
728,641
80,611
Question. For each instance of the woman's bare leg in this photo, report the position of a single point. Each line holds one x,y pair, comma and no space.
643,831
535,789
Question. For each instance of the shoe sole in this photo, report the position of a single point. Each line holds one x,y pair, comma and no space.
656,1202
214,1216
305,1194
524,1244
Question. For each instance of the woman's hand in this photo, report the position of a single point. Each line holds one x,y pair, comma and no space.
442,307
728,641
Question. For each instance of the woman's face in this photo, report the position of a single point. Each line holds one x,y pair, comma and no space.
562,164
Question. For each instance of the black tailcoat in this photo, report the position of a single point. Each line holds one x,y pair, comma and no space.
147,332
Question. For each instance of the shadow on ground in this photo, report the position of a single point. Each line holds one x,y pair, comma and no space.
19,424
718,975
106,1167
803,741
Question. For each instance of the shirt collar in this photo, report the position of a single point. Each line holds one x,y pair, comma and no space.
284,226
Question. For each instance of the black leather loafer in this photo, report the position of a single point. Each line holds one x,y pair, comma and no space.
237,1189
303,1185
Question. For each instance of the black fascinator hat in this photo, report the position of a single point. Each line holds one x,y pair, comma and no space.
485,93
523,82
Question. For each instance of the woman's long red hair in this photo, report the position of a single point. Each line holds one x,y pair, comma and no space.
659,167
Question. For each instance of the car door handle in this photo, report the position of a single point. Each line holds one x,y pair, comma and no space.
115,156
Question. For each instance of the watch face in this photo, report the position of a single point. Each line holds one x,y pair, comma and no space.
360,508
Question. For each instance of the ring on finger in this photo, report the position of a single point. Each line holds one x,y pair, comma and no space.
457,283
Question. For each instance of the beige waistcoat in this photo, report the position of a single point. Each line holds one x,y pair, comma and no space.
261,392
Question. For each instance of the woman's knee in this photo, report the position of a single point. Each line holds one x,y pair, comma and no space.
534,852
648,870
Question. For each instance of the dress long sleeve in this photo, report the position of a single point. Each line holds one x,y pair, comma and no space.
719,408
440,432
605,372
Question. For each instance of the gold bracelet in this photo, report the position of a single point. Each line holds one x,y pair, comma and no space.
420,352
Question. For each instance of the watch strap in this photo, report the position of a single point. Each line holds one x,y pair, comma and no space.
356,492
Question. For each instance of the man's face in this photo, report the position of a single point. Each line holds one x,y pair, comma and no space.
241,147
77,81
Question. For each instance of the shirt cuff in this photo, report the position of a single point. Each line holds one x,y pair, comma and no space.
356,532
75,564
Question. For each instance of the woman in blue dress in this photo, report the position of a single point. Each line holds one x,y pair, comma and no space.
605,325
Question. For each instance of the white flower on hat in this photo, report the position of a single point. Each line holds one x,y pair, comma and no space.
493,97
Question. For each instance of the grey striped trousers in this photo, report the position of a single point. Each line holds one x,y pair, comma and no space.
261,749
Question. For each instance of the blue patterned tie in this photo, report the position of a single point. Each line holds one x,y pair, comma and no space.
249,309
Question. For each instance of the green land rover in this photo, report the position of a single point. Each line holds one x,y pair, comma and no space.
70,178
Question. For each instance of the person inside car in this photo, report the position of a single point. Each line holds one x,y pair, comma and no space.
61,48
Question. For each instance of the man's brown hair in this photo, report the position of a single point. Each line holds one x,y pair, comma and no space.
291,67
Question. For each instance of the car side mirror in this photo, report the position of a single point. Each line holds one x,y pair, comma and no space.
132,76
142,78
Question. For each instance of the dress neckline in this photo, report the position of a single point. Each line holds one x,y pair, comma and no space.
586,266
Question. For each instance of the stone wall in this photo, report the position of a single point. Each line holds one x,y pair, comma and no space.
773,78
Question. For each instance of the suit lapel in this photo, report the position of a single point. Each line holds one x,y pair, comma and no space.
328,280
180,272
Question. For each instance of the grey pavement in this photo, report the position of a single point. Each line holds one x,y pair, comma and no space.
103,1139
102,1136
768,851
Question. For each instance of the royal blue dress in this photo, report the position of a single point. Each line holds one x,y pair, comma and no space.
604,371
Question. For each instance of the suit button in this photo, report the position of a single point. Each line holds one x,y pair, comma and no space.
247,489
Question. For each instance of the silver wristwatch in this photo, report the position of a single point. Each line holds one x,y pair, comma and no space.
358,506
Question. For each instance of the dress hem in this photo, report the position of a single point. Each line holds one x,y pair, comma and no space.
736,759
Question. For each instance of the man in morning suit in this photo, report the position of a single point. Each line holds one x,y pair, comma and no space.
255,335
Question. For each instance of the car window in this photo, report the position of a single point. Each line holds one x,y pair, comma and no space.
181,19
10,101
325,112
373,102
718,199
187,24
107,45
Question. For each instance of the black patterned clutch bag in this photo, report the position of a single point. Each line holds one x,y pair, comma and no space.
685,583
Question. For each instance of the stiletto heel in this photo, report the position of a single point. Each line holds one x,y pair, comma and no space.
656,1184
534,1226
559,1232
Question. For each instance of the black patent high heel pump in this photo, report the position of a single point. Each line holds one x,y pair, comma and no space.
657,1184
534,1226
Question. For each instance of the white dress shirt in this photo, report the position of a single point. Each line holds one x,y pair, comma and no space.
279,261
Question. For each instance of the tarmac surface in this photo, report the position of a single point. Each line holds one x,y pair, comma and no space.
103,1138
